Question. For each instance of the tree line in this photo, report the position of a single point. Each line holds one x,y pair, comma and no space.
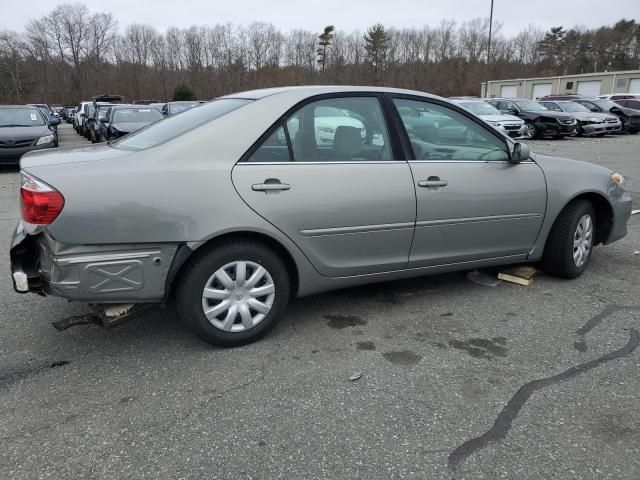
70,54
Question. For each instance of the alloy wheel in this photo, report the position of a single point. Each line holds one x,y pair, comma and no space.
582,240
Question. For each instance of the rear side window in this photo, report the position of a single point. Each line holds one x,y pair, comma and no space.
173,127
349,129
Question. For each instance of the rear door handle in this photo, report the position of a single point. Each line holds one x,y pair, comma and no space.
270,187
433,182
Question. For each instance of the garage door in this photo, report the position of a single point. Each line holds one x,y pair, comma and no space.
589,89
509,91
634,85
541,90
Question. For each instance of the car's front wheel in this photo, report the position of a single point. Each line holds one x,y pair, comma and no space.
531,132
571,241
234,293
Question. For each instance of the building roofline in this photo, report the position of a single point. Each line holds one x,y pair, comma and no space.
595,74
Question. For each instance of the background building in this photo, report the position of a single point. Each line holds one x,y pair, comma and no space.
590,84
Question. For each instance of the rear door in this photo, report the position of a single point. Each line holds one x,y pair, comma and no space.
472,203
329,179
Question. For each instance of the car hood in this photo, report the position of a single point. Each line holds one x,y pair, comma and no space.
577,167
549,114
17,133
57,156
585,115
501,118
128,127
627,111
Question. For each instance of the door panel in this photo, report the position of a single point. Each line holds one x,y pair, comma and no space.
347,218
486,210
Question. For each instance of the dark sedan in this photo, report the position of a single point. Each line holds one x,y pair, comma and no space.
539,120
629,117
22,128
124,119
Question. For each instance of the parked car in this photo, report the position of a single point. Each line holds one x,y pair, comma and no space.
95,124
69,113
79,118
620,96
233,216
508,124
91,118
145,102
540,121
632,103
561,96
629,118
589,123
170,109
52,119
121,120
23,128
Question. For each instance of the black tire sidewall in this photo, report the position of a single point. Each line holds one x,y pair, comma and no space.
198,271
559,250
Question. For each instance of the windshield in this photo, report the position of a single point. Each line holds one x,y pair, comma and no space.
137,115
605,104
173,127
21,117
573,107
480,108
529,105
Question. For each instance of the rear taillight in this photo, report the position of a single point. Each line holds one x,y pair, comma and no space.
40,204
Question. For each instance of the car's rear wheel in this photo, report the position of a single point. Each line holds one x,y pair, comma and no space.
571,241
234,293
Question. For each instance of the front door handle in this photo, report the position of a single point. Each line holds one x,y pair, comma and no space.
433,182
270,185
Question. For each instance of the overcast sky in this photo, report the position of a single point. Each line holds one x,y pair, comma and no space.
346,15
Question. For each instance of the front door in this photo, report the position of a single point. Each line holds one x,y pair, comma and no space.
327,177
472,203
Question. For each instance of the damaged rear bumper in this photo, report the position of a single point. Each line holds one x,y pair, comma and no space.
122,273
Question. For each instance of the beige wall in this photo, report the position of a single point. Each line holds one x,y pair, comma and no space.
559,84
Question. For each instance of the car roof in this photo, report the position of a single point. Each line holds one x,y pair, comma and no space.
18,106
322,89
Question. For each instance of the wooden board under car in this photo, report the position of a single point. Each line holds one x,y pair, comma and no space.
519,275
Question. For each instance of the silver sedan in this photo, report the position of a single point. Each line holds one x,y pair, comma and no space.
235,207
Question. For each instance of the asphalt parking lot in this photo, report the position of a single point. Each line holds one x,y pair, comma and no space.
450,379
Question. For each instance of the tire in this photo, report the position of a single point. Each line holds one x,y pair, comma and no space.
203,270
580,130
559,256
532,131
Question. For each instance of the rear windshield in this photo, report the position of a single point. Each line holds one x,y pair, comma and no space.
173,127
136,115
21,117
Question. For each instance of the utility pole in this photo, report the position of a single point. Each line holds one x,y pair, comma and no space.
486,69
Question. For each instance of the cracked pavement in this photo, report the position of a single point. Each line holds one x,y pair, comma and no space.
441,359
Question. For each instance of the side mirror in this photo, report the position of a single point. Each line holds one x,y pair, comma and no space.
102,119
594,109
520,153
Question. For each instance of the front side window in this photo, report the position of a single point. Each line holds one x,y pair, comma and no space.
170,128
437,132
